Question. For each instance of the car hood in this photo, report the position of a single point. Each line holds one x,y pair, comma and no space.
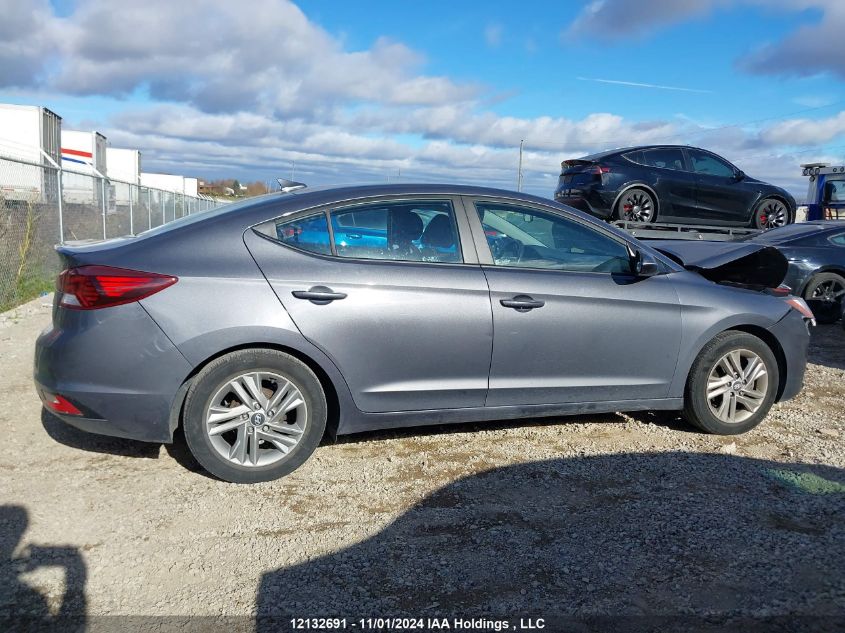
756,266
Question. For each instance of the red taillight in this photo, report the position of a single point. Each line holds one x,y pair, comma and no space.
598,170
92,287
59,404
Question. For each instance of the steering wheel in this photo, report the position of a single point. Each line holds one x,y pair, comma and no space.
507,248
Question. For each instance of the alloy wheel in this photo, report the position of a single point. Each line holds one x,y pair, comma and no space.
637,206
772,214
256,419
737,386
829,292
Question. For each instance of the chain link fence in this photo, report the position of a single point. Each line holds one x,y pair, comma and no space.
42,205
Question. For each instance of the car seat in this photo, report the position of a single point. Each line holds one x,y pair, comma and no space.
405,227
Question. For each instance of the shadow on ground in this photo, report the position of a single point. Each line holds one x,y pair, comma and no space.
22,605
645,535
827,346
70,436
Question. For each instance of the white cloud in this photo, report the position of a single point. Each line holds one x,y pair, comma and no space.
493,35
217,56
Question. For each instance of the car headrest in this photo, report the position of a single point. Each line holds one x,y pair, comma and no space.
439,232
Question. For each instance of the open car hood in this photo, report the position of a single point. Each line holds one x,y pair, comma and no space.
745,264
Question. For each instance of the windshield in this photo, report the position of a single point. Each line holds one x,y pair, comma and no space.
783,233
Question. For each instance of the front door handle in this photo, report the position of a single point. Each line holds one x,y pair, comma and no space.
319,295
522,303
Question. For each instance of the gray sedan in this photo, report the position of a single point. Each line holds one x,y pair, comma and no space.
265,325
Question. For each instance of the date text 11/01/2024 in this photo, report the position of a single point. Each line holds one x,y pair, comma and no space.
419,624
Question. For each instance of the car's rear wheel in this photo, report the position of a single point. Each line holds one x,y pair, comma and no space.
824,295
636,205
771,213
254,415
732,384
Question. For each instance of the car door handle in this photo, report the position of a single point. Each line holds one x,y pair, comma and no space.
319,295
353,236
522,303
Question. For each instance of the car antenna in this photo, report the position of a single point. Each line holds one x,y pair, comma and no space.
286,186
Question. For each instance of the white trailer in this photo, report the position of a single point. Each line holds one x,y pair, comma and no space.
165,182
124,173
32,135
84,159
192,187
124,165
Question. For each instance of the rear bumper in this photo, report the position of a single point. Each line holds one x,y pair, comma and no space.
590,201
793,334
116,366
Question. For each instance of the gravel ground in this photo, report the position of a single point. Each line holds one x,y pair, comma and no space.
592,515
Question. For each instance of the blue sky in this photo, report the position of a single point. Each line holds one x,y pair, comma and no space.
357,92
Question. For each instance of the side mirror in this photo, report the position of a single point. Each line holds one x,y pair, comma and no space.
642,264
739,175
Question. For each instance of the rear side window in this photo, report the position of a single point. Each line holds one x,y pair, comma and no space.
415,231
310,233
834,191
663,157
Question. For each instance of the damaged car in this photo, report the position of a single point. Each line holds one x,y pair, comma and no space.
261,327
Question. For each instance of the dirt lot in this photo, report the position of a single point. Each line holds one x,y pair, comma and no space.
593,515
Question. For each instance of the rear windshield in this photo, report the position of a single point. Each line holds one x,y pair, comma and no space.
187,220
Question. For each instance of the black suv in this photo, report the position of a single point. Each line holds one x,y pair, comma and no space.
671,183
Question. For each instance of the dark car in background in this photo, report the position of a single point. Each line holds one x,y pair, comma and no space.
261,326
816,255
674,184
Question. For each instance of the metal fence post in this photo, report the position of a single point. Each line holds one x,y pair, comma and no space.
149,208
103,189
174,205
61,211
131,218
161,204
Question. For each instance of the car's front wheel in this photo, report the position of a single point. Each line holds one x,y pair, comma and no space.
825,294
771,213
254,415
732,384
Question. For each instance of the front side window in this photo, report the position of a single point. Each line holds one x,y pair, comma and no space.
408,230
528,238
664,157
704,163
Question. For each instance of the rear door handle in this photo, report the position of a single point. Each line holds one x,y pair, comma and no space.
319,295
522,303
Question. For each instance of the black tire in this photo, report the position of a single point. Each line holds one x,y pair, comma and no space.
697,410
771,213
636,205
216,374
820,295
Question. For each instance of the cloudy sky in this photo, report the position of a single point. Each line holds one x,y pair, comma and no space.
433,91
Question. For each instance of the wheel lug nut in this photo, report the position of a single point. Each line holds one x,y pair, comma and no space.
266,428
256,406
271,413
244,416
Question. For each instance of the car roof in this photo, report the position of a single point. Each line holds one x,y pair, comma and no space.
632,148
251,210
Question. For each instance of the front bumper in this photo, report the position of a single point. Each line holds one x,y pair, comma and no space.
793,334
116,366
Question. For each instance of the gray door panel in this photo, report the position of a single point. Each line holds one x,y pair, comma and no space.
407,336
596,338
